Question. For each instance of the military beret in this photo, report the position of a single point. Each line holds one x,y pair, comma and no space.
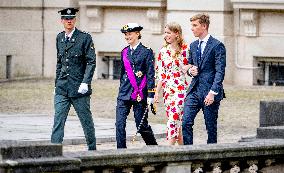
68,13
131,27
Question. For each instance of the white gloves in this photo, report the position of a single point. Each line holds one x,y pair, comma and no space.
83,88
150,101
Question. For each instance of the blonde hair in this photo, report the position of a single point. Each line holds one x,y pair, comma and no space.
202,19
176,28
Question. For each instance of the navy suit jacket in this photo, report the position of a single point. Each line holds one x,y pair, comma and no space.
142,60
211,69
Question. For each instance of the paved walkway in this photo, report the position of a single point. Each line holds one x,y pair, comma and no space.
28,127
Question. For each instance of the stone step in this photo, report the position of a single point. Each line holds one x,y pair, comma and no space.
270,132
10,149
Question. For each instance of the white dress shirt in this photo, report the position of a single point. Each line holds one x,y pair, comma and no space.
134,47
203,45
70,34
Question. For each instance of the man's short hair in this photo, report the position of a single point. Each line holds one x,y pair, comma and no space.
202,18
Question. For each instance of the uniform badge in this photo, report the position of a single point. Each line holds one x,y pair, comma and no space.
139,74
125,27
68,11
138,98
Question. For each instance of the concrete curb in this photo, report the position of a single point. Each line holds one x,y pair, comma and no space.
81,140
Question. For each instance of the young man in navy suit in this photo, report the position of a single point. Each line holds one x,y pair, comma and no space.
137,85
208,57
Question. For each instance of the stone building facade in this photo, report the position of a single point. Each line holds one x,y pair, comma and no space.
252,31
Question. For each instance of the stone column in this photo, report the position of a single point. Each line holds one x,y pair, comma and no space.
95,19
91,18
110,68
183,167
250,21
83,18
266,75
155,18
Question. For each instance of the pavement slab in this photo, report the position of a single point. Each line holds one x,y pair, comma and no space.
34,127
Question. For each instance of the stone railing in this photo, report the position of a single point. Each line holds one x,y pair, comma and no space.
264,156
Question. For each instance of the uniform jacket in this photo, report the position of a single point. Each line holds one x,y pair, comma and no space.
76,62
142,60
211,69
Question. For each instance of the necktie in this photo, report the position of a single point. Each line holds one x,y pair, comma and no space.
131,51
199,53
67,39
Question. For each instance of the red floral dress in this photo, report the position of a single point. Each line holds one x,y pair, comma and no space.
174,84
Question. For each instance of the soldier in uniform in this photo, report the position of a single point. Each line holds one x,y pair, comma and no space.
76,62
136,85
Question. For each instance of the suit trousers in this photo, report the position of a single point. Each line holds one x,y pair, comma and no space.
82,107
122,111
193,104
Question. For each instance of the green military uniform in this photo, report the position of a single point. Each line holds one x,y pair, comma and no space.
76,62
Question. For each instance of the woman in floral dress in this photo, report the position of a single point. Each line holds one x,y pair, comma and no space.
171,77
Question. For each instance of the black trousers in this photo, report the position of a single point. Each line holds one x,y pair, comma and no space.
122,111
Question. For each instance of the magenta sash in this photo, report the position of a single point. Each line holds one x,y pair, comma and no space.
137,92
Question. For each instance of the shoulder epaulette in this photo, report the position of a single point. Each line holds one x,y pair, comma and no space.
125,48
147,47
85,32
152,90
60,33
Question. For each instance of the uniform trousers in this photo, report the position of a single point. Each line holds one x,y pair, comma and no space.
192,105
122,111
82,107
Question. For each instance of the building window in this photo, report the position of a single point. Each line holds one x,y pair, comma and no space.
111,67
270,73
116,68
276,74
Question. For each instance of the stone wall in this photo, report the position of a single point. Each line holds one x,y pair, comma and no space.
265,156
221,23
27,31
258,37
251,30
104,19
20,30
